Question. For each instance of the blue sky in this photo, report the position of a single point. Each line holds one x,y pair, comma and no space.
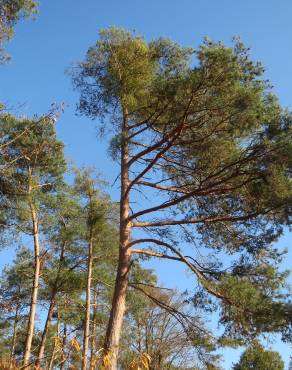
44,48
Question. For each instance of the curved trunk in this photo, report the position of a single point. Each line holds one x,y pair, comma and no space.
34,294
113,333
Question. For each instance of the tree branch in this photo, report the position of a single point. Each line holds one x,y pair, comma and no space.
226,218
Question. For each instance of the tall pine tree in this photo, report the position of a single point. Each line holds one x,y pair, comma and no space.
33,165
210,144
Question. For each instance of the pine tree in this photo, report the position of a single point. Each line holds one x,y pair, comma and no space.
83,235
15,289
95,208
61,273
214,143
256,357
11,11
33,166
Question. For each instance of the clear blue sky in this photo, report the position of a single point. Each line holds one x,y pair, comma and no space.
64,29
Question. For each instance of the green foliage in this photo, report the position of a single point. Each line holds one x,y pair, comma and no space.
256,357
78,214
15,289
209,136
237,139
32,166
11,11
124,68
220,147
251,299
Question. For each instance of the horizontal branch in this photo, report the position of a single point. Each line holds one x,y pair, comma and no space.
187,194
154,254
197,221
173,189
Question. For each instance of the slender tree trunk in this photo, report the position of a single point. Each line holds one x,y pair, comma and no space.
64,342
54,349
13,344
52,357
46,329
93,334
51,308
139,337
118,308
88,303
35,288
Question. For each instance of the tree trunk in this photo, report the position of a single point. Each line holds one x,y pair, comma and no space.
88,304
52,357
34,294
54,349
93,334
55,288
13,344
64,342
118,308
46,330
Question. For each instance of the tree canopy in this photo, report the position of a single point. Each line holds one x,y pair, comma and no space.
201,131
11,11
256,357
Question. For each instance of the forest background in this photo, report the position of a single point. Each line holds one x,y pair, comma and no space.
64,30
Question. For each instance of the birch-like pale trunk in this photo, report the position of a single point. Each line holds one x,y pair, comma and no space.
118,308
